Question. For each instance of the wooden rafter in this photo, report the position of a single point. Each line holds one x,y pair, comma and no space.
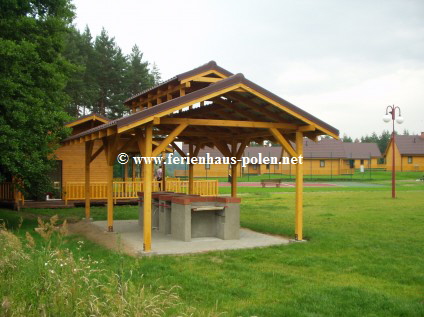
99,150
233,107
283,141
140,140
204,74
170,138
241,148
176,148
229,123
128,143
217,115
286,109
221,146
205,79
256,107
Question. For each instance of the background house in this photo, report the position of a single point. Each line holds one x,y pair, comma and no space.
409,153
364,154
325,157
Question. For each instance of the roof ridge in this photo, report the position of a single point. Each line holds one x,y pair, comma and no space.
207,66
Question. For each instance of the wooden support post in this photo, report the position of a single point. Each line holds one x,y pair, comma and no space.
190,172
237,153
163,171
234,179
125,178
133,170
110,196
147,180
88,150
299,190
110,145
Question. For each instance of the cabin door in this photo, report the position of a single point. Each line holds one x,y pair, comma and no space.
56,178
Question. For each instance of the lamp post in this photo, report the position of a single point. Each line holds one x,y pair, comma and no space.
391,115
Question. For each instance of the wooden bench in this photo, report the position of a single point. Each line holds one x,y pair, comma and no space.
276,181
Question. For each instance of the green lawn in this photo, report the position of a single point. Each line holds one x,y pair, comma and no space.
364,257
382,185
369,175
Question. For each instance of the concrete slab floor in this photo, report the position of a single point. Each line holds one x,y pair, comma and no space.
132,235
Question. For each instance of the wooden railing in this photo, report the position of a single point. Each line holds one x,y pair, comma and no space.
6,191
9,193
128,190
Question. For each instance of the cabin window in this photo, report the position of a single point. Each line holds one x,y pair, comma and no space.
409,159
207,166
322,163
381,160
255,167
268,166
362,162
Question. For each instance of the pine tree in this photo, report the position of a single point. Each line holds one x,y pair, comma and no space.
81,85
108,66
155,72
384,140
138,76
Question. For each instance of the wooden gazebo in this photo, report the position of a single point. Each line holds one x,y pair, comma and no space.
207,106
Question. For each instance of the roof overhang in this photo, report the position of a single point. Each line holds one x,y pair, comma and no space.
90,117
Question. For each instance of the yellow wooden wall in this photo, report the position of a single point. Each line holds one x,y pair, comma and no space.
310,166
416,165
389,160
369,164
252,169
401,162
332,167
73,159
216,170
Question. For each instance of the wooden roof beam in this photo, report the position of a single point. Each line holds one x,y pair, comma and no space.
234,108
283,141
256,107
169,139
204,74
229,123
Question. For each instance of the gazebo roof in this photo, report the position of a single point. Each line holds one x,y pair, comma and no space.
226,106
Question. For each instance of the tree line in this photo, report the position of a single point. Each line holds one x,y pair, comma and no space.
102,76
382,140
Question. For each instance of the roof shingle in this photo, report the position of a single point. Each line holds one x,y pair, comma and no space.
410,144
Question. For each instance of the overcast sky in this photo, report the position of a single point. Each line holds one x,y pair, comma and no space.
342,61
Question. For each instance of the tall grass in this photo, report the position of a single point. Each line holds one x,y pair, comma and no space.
40,277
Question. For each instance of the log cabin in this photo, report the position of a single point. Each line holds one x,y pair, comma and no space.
409,153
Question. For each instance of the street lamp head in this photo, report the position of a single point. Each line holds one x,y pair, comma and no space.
387,118
399,120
